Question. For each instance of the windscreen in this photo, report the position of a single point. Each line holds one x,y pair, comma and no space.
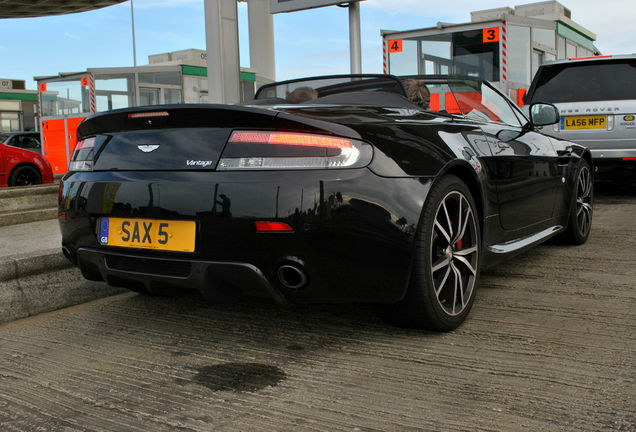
317,90
464,96
593,81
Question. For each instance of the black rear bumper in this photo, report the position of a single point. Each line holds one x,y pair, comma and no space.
152,274
352,230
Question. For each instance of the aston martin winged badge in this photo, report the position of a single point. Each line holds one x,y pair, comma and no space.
147,148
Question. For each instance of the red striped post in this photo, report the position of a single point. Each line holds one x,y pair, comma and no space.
384,55
504,53
91,87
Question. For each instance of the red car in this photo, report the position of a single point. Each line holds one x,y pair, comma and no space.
20,166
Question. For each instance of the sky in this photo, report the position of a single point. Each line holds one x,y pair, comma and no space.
311,42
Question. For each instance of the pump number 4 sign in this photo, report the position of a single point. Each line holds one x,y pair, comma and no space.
490,35
395,45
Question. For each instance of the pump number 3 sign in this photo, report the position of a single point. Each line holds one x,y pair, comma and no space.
490,35
395,45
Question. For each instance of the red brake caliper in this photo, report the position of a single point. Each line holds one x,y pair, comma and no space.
459,242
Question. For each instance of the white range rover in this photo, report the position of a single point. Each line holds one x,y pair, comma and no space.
596,98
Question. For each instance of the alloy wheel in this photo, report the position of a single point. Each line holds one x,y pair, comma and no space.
26,177
584,200
454,253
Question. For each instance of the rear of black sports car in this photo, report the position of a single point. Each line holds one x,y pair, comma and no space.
226,199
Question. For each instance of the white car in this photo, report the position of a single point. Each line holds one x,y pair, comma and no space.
596,98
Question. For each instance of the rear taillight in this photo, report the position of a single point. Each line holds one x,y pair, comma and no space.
83,155
291,150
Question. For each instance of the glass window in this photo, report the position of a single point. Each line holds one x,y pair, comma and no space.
66,97
473,57
9,122
519,54
429,67
101,103
114,91
120,101
29,142
537,59
570,50
148,96
479,101
583,52
172,96
437,48
543,36
436,54
405,62
597,81
165,77
117,84
560,47
306,90
440,97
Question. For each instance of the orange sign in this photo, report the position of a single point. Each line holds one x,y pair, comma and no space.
395,45
42,87
84,81
490,35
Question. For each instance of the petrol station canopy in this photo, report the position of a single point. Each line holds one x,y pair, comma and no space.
39,8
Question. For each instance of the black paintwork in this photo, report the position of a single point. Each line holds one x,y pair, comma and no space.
353,229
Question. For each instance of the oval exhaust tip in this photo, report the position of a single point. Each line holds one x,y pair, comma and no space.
67,253
291,276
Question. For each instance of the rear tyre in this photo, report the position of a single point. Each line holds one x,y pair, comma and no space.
446,268
581,211
25,175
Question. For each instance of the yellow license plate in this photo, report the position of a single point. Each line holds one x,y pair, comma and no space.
584,122
157,234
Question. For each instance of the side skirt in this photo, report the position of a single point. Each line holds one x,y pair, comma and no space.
502,251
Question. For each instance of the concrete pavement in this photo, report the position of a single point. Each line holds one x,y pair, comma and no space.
549,346
28,204
35,276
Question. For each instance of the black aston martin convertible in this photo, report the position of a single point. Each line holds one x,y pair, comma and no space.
345,188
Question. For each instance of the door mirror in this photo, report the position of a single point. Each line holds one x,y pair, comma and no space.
543,114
